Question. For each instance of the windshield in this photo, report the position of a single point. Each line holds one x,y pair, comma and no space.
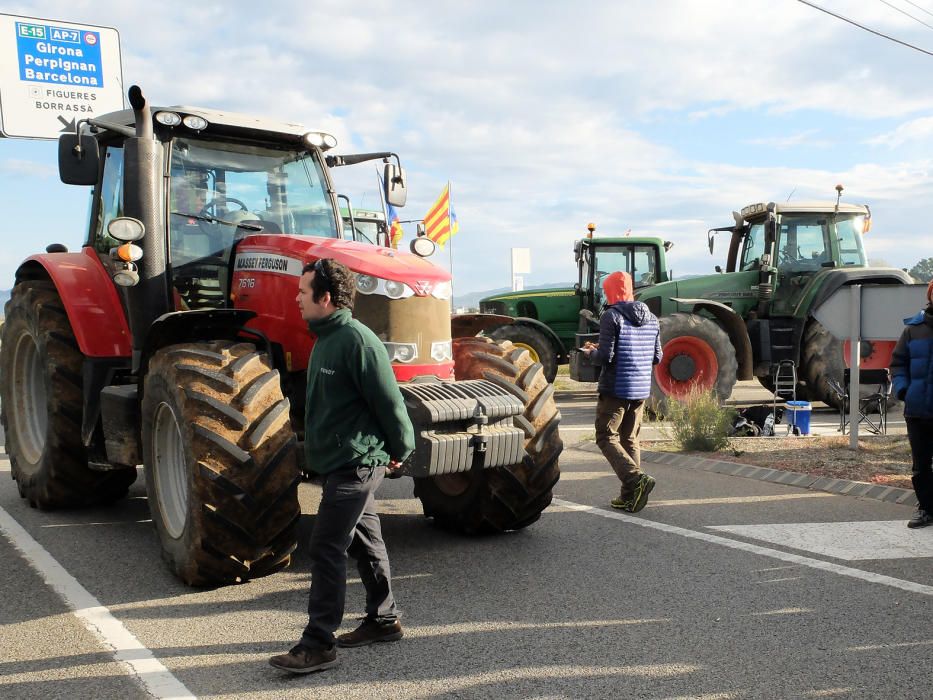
805,241
754,246
640,261
221,191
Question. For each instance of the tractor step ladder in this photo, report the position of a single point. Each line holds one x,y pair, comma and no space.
785,384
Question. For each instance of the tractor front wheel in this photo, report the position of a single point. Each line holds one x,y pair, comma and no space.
698,355
534,341
221,463
43,405
501,498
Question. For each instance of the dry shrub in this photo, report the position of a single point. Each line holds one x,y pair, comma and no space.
698,423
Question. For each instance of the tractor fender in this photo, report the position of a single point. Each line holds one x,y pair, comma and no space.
734,326
90,299
468,325
839,278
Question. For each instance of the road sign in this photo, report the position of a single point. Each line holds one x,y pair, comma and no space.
883,308
54,73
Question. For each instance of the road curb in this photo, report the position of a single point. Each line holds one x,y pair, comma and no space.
842,487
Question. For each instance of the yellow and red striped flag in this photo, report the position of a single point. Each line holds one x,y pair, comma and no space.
437,222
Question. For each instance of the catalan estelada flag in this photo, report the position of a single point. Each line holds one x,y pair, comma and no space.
440,223
395,226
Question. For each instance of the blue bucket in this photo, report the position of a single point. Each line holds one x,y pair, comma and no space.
798,416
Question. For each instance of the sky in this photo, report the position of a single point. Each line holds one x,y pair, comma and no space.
655,116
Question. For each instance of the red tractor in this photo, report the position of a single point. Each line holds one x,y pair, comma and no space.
173,340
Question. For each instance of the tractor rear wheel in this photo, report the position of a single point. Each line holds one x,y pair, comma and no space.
221,462
532,340
501,498
42,399
698,355
821,358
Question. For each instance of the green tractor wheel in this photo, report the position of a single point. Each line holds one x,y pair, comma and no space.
698,355
537,344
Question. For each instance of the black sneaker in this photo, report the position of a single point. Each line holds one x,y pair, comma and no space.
921,519
371,631
302,659
639,498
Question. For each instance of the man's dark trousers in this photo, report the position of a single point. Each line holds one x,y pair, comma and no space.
347,521
920,436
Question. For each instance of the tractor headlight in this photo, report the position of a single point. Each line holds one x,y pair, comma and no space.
441,351
441,290
168,118
394,290
402,352
195,123
366,284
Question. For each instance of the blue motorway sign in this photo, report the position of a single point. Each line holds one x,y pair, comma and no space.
59,55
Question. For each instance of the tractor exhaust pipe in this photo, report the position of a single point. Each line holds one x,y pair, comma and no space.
143,199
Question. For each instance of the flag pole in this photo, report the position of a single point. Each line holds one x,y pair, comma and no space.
450,243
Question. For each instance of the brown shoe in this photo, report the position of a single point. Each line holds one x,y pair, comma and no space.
371,631
302,659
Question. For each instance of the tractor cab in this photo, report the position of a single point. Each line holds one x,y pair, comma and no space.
643,258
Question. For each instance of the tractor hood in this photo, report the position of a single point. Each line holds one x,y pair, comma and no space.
292,252
531,294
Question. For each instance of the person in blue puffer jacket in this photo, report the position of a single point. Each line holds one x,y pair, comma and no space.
912,374
629,347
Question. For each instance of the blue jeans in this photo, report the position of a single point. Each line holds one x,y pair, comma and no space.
347,523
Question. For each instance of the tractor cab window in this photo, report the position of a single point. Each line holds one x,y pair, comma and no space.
754,246
366,230
111,199
849,232
639,261
803,242
223,191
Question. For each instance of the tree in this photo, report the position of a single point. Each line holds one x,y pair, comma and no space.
923,270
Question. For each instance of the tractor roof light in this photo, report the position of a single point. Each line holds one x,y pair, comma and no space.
126,229
168,118
320,140
195,123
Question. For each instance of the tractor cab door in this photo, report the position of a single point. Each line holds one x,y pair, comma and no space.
640,261
107,203
803,247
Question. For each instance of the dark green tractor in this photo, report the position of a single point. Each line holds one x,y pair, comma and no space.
546,320
784,261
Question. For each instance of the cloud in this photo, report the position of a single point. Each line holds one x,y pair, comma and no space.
16,167
914,130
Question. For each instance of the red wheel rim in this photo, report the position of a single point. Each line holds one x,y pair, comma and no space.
878,357
688,364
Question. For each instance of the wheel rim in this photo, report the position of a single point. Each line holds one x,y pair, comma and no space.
874,354
453,484
32,421
688,364
530,349
171,472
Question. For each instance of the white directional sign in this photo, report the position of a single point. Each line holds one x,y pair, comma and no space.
54,73
882,310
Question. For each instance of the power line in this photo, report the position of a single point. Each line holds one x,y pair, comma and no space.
906,14
867,29
922,9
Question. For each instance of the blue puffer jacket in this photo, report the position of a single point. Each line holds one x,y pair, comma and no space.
912,365
629,347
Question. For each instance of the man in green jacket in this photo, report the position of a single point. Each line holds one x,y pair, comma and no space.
356,427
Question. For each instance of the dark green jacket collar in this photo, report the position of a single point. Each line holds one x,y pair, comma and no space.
329,324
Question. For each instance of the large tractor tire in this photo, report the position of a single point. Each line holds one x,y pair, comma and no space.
221,462
42,394
493,500
537,344
698,355
822,357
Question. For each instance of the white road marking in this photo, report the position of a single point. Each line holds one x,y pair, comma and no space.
850,541
869,576
155,678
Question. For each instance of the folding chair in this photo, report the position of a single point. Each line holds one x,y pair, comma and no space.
872,408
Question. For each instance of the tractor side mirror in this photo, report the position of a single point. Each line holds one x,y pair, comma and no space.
78,159
396,187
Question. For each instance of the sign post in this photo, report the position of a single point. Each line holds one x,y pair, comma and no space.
521,265
54,73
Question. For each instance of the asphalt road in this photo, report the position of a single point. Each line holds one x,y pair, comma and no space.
722,588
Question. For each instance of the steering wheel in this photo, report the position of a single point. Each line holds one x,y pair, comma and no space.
210,209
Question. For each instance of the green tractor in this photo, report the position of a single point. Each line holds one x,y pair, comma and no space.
784,261
546,321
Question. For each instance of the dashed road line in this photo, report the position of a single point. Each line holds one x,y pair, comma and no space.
838,569
141,663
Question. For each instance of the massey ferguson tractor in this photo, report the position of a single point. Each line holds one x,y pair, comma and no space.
173,340
784,261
